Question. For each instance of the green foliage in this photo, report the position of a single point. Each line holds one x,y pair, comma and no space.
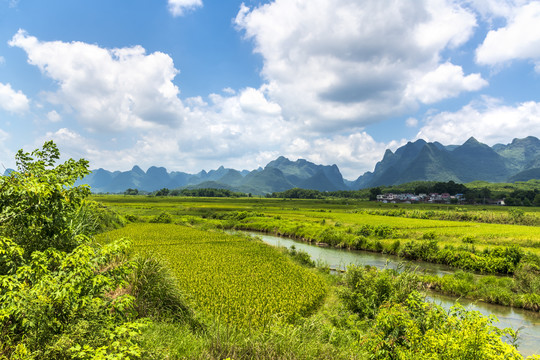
209,192
512,216
163,192
38,202
156,291
57,305
414,329
163,218
368,288
131,191
527,276
61,296
297,193
300,256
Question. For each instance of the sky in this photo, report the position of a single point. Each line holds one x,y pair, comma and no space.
195,84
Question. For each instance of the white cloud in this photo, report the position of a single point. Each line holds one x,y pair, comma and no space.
3,136
355,153
2,60
488,121
53,116
444,82
253,100
11,100
411,122
490,9
518,39
108,89
179,7
340,64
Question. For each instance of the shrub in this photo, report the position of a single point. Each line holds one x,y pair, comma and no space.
59,305
468,239
415,329
368,288
383,231
300,256
162,218
155,290
39,203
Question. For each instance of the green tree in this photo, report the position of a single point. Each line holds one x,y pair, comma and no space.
39,201
61,296
163,192
131,191
536,201
373,192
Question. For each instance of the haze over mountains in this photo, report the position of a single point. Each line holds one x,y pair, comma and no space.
419,160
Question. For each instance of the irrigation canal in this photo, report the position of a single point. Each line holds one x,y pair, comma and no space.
339,259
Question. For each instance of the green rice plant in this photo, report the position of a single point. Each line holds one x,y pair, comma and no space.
236,280
156,290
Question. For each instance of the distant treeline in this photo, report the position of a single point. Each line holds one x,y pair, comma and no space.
298,193
419,187
207,192
517,194
479,195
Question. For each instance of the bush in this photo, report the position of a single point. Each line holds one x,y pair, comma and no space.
39,203
59,305
155,290
418,330
163,218
383,231
368,288
300,256
61,297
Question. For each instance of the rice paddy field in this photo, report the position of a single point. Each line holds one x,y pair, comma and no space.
232,279
307,218
242,283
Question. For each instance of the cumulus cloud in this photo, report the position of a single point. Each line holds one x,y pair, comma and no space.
444,82
487,120
491,9
518,39
253,100
411,122
11,100
108,89
355,153
53,116
179,7
335,64
3,135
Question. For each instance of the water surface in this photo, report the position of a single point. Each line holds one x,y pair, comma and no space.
339,259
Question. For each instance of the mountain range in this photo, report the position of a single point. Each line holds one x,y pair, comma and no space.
415,161
420,160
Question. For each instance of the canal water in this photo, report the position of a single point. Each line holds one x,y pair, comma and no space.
527,321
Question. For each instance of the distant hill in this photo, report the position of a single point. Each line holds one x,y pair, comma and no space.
471,161
415,161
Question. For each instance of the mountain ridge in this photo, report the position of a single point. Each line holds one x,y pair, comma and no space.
414,161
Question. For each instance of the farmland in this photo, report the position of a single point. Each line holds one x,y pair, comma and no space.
414,233
357,225
221,274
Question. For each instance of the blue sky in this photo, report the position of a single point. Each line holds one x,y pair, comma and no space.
195,84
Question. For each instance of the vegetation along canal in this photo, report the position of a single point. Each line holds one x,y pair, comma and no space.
339,259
